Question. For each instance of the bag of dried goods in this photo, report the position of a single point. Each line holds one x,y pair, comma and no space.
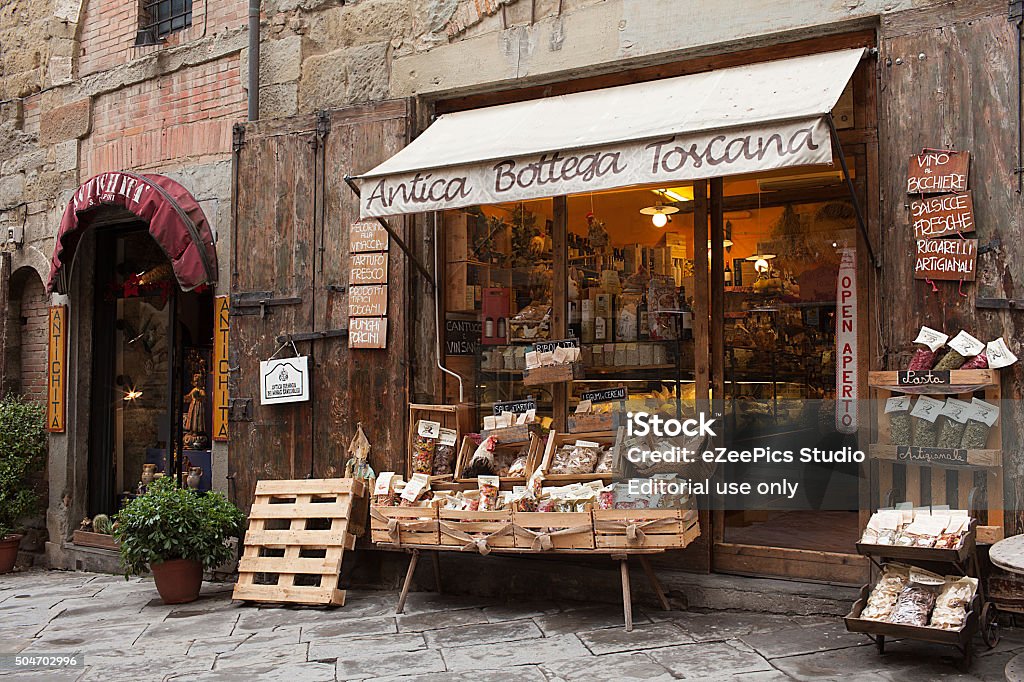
417,488
885,592
924,416
517,469
952,603
916,600
980,421
924,358
962,347
579,458
898,409
423,446
953,423
488,492
998,354
444,453
384,494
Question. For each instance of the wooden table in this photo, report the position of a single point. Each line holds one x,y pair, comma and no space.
622,556
1008,555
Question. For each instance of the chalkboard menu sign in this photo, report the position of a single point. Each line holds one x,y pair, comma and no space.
462,337
515,406
930,377
952,456
605,396
546,346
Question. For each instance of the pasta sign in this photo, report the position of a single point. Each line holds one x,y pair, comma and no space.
846,343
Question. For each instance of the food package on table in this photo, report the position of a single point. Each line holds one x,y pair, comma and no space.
952,603
886,591
488,492
882,528
915,603
384,493
606,463
579,458
517,468
444,453
423,446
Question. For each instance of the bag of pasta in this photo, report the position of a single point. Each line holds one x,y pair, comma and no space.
883,595
924,358
952,603
916,600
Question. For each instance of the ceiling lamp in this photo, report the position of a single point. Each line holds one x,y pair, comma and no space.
659,213
761,261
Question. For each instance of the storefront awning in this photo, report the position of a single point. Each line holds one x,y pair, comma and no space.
175,220
737,120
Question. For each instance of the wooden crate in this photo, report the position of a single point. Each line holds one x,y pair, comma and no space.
854,623
404,525
458,417
588,423
298,533
958,484
543,531
477,530
645,528
612,439
469,447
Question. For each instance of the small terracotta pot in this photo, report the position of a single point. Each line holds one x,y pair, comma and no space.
9,552
178,581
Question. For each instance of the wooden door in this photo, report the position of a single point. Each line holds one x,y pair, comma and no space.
289,281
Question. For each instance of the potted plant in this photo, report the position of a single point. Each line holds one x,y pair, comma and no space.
22,446
176,533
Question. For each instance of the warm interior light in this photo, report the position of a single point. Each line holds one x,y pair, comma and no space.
761,265
132,394
659,219
659,213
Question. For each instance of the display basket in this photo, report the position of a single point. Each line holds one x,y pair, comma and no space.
501,450
457,417
544,531
958,556
645,528
478,531
404,525
553,374
612,439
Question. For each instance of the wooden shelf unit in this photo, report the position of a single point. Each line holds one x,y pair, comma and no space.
959,484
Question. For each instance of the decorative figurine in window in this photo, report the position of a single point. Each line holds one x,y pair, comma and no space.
194,420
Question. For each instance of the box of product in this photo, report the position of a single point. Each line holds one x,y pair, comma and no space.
479,530
543,531
645,528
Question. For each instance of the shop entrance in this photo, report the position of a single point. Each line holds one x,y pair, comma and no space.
152,345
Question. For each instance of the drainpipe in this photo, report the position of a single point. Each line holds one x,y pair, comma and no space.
254,59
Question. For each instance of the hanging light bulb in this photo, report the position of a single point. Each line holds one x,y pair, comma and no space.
761,265
659,213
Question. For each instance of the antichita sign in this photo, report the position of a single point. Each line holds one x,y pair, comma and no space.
56,369
221,367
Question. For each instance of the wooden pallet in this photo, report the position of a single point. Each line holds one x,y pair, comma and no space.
298,532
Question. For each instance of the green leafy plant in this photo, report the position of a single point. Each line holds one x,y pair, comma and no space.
169,522
22,448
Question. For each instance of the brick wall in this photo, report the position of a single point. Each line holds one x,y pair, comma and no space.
187,114
109,28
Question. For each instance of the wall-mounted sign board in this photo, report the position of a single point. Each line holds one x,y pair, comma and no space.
368,332
284,381
938,172
514,406
56,369
942,216
221,367
367,235
370,300
462,337
953,259
605,396
548,346
368,268
930,377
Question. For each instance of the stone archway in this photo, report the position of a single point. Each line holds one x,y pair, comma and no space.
25,353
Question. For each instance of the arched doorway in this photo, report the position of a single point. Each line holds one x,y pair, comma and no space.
141,299
25,360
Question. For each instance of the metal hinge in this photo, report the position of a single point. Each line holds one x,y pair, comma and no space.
323,124
313,336
258,302
239,409
237,137
999,303
1016,10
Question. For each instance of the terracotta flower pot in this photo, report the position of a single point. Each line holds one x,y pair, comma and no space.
178,581
9,552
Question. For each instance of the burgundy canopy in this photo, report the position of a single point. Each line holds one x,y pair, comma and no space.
175,220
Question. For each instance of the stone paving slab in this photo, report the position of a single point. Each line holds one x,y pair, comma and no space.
127,633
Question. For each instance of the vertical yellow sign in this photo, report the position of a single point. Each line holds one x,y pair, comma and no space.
56,371
221,368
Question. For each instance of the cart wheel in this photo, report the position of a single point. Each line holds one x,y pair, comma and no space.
880,643
990,625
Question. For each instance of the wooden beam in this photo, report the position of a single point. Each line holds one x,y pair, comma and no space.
717,329
560,299
701,303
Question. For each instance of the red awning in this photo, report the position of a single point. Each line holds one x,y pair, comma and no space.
175,220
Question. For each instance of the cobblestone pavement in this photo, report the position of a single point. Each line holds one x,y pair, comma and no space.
126,633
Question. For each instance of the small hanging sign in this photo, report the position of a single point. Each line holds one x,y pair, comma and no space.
367,235
369,300
942,216
284,381
938,171
368,268
948,259
56,370
605,396
367,332
221,367
514,406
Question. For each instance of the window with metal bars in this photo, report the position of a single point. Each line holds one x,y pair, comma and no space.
163,17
